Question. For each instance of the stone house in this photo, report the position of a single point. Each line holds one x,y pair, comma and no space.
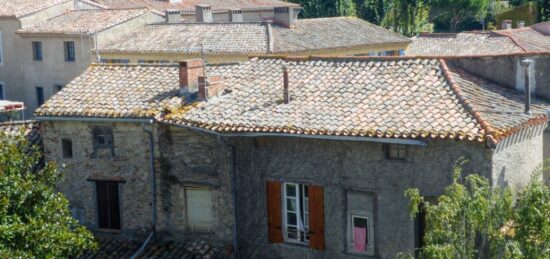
282,158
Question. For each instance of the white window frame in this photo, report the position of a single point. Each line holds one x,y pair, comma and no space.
302,229
189,221
370,232
1,50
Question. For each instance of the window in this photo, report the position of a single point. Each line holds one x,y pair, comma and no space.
401,52
114,61
296,213
69,51
108,207
67,148
199,209
39,95
360,237
37,50
395,151
1,91
103,137
57,88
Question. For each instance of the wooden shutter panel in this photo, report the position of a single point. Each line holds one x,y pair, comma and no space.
316,218
274,212
102,205
114,207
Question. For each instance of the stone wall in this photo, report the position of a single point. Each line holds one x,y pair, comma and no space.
194,160
129,166
343,168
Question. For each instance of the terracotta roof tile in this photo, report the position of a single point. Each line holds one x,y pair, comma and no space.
529,39
189,5
332,33
18,8
386,97
227,38
83,21
461,44
111,248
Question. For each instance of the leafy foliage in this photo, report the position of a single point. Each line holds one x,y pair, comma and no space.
474,220
34,219
407,17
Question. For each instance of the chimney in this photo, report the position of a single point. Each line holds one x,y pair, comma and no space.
210,86
235,15
189,72
286,16
521,24
286,97
506,25
203,13
526,63
172,16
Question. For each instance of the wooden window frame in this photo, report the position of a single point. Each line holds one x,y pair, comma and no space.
402,152
107,131
302,205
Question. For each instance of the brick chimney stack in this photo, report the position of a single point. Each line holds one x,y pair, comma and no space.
286,16
210,86
189,73
235,15
172,16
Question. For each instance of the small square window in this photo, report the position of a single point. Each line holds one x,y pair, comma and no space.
67,148
37,50
395,151
103,137
69,51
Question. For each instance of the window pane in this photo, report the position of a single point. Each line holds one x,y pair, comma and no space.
360,234
291,204
291,190
291,218
292,233
199,209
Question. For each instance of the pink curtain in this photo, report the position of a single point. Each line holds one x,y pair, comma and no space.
360,239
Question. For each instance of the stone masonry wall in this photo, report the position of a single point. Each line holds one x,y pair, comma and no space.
344,169
130,165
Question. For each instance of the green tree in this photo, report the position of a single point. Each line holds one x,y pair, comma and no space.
407,17
35,221
370,10
457,11
474,220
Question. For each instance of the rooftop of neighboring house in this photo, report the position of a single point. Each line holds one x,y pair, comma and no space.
368,97
247,38
113,248
462,44
17,127
19,8
83,21
189,5
535,38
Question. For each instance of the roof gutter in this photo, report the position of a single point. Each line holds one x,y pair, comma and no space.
92,119
321,137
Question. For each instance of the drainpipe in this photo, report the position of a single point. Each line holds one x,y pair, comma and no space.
154,189
234,197
526,63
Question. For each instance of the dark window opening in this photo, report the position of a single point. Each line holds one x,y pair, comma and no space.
420,226
69,51
37,50
103,137
108,206
39,95
67,148
57,88
1,92
395,152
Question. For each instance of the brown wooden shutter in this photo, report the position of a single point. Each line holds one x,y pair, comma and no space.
274,212
316,218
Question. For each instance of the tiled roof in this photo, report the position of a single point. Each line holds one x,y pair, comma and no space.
18,8
332,33
228,38
84,21
114,91
386,97
461,44
393,98
252,38
529,39
111,248
189,5
17,127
